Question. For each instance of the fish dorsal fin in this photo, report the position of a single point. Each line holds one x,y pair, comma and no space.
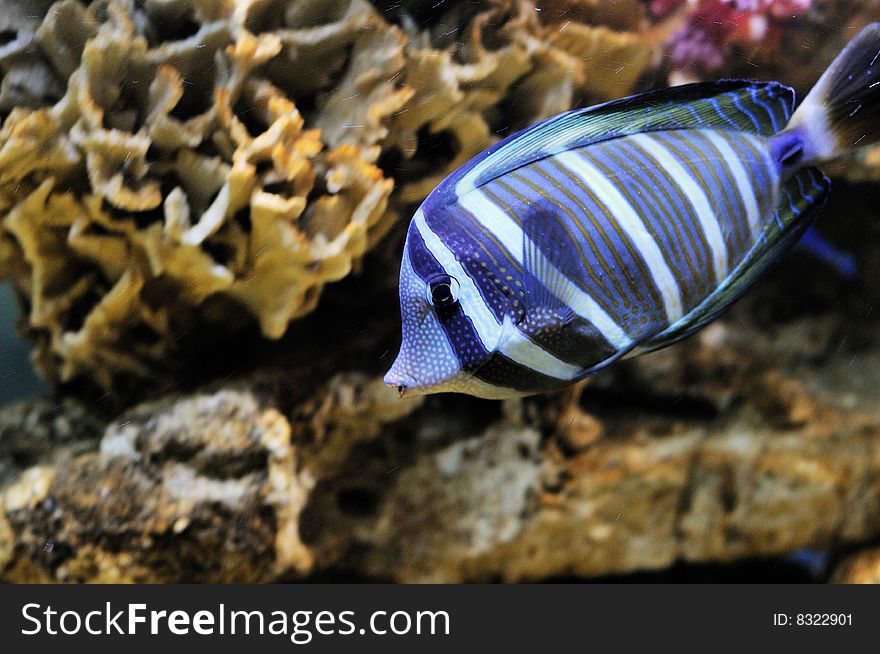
801,200
757,107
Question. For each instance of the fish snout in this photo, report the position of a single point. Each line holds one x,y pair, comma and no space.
399,381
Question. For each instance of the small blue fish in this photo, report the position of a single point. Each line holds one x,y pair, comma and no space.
840,261
615,230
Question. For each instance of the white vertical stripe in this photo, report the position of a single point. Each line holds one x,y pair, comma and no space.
695,195
513,344
495,220
746,192
632,225
488,330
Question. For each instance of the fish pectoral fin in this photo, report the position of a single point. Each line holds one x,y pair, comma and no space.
547,292
544,285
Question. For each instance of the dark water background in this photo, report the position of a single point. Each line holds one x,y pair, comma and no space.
17,377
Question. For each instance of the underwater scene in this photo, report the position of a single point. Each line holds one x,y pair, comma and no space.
405,291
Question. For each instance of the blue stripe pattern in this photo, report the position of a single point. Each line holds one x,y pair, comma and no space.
502,284
595,252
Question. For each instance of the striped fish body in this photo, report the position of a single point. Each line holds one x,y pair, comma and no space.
598,234
645,227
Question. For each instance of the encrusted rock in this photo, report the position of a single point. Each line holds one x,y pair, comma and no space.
210,487
270,479
860,568
43,432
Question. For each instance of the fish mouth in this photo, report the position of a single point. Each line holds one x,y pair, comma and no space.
456,380
403,384
402,391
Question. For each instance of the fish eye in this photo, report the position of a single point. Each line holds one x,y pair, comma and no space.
443,292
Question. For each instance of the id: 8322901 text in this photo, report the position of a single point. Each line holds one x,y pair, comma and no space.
812,619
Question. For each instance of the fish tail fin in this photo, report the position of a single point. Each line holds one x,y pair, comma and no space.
843,109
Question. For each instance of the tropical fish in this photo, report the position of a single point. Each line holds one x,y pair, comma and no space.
610,231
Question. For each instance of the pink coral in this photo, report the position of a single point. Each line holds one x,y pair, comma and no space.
712,27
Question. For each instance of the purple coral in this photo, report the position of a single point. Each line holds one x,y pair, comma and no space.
713,26
698,47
